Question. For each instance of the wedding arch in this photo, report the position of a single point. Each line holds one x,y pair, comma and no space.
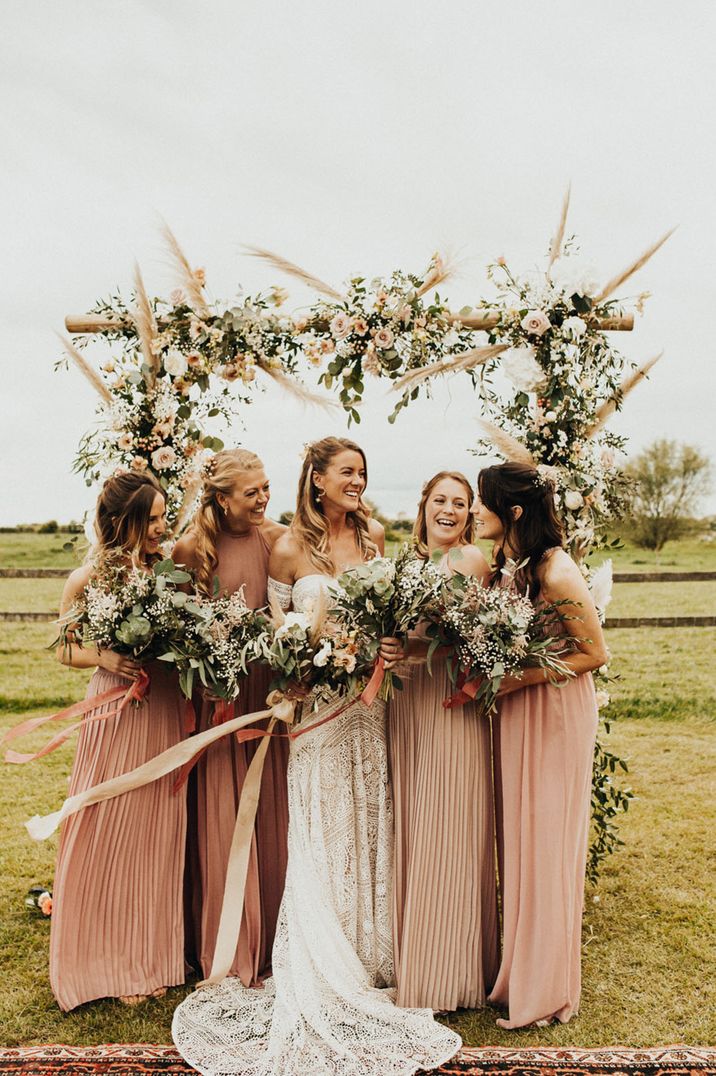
175,363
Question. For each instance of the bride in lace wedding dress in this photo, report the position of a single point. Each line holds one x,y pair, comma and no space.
328,1009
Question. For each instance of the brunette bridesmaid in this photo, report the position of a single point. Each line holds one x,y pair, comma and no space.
117,922
544,749
445,927
230,540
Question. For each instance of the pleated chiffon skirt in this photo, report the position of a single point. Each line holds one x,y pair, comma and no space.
219,780
544,750
445,925
117,921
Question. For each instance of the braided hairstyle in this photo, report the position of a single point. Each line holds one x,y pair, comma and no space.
221,473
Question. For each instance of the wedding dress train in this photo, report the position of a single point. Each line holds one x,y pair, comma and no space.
329,1007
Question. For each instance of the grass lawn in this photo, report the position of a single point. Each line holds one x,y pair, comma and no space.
649,955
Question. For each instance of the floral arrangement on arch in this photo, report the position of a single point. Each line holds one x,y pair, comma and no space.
175,365
382,327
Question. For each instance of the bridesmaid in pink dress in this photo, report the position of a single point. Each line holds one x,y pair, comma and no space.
230,539
544,749
445,926
117,922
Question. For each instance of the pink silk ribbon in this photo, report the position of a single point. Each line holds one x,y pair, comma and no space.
135,692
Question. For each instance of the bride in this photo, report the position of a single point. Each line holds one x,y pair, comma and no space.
329,1007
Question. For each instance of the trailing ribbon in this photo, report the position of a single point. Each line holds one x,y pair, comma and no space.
185,754
371,689
135,692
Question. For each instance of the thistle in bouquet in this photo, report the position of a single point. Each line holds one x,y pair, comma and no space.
222,637
313,652
386,597
128,609
493,632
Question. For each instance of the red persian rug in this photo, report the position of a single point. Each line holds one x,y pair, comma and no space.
117,1060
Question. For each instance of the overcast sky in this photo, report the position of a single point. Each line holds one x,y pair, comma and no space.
350,137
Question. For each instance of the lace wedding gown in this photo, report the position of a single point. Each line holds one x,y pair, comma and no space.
328,1008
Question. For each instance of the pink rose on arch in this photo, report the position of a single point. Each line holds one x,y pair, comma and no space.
138,463
535,322
193,358
383,339
125,441
163,458
360,326
341,325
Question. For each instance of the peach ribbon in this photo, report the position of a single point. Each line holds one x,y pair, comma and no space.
135,692
371,689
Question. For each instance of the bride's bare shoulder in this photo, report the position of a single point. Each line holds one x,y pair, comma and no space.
286,554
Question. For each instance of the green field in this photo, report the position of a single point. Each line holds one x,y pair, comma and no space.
649,963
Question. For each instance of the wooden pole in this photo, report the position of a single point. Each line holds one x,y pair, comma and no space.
620,323
95,323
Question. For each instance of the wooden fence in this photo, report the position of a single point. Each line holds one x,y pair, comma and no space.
611,622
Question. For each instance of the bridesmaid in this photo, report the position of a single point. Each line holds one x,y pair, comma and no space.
117,923
445,927
544,748
230,539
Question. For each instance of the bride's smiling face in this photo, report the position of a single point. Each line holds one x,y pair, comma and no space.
446,512
343,482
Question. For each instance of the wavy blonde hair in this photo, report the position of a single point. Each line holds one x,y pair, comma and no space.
420,529
309,525
221,474
122,517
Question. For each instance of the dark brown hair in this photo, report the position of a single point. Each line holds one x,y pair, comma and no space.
420,529
506,486
122,515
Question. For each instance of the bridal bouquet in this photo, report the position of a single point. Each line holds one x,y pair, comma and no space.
388,597
311,652
221,637
129,610
492,632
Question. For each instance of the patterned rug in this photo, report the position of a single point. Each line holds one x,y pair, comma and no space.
116,1060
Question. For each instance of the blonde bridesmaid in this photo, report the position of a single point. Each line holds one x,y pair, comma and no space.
117,923
230,541
544,749
445,927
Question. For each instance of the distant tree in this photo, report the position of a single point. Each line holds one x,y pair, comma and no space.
51,527
285,518
669,479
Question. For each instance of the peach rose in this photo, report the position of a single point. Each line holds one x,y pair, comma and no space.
193,358
138,463
163,458
340,326
125,441
384,339
360,326
536,323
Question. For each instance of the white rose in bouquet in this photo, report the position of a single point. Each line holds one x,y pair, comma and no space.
536,323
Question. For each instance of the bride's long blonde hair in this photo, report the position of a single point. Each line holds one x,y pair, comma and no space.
221,473
309,525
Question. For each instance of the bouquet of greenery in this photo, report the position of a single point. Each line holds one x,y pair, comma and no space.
313,652
129,610
221,637
492,632
387,597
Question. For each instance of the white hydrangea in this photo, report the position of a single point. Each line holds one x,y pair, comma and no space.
522,369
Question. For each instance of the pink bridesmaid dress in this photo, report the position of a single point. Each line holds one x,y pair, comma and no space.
445,925
544,748
243,562
117,920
